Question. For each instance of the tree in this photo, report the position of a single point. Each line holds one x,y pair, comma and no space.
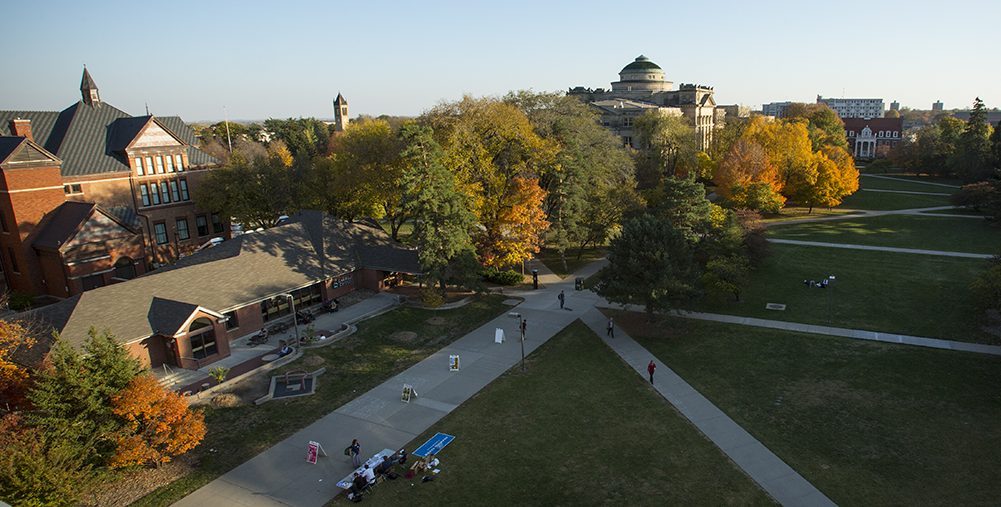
747,179
255,193
37,469
592,184
158,424
995,141
13,376
986,288
442,220
517,231
682,202
650,264
72,395
972,158
725,276
837,178
668,147
305,137
824,125
789,150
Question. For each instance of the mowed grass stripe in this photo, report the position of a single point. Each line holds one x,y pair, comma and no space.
578,428
919,295
951,234
867,423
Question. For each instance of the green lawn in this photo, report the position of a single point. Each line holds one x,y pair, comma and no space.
793,213
579,428
354,365
919,295
902,231
551,258
878,201
867,423
909,185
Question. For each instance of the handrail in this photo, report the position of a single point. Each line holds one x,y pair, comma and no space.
198,363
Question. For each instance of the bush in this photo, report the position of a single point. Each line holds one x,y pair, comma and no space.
19,301
978,196
506,277
880,165
986,288
432,297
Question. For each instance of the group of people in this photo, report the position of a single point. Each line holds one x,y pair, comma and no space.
367,476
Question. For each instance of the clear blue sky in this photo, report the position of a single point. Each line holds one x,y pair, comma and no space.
288,59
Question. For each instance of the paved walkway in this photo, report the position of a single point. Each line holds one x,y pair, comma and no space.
881,248
777,478
912,192
909,180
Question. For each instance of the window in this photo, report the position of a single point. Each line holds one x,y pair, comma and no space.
72,189
182,229
149,165
170,163
184,189
125,269
232,322
160,231
173,190
139,166
144,191
202,344
159,164
178,162
165,192
627,121
92,282
216,223
202,225
154,191
13,260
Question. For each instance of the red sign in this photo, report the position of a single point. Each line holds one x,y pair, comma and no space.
312,451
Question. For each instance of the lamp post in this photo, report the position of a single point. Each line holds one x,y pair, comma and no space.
522,326
830,286
295,318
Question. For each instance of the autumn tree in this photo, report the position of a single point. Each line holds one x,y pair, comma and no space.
13,376
158,424
824,125
748,179
442,220
498,159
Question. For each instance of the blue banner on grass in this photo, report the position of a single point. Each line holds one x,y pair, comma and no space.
434,445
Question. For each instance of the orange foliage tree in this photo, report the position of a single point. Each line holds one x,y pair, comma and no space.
517,232
747,178
13,336
159,424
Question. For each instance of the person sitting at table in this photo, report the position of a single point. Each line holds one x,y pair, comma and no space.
384,466
402,456
358,484
369,475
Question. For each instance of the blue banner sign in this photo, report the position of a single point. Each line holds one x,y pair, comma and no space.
434,445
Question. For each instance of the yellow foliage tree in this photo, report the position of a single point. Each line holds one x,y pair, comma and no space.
13,336
517,232
159,423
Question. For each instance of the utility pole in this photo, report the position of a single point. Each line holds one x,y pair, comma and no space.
226,120
523,325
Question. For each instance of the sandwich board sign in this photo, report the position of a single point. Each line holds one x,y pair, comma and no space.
313,450
499,335
408,392
453,362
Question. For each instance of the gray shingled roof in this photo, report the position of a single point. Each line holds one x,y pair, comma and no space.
251,267
64,223
7,146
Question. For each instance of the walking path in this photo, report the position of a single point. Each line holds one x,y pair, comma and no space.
910,180
777,478
881,248
912,192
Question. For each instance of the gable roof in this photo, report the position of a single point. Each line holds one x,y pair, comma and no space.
21,150
311,247
63,224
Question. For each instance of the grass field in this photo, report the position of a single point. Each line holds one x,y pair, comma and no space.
551,258
578,428
909,185
867,423
920,295
902,231
354,365
793,213
878,201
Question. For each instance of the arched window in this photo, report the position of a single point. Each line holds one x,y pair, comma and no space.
125,268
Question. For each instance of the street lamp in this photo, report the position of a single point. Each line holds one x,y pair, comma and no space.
830,285
295,318
522,326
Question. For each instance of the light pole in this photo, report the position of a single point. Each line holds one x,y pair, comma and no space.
522,326
295,318
830,287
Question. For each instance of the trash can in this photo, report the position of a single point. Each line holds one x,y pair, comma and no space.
578,284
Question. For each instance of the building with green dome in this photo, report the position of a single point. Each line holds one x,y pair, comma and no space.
643,87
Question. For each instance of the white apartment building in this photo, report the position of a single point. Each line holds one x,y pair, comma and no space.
854,108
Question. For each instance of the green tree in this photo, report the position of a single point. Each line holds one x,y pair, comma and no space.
305,137
255,193
72,396
682,202
724,277
824,125
996,149
37,469
972,158
668,147
650,264
442,220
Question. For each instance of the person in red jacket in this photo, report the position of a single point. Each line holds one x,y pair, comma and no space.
651,368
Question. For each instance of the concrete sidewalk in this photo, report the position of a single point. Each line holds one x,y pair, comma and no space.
379,419
880,248
774,476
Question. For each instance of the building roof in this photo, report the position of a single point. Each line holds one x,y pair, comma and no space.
63,224
641,63
857,124
87,82
311,247
21,151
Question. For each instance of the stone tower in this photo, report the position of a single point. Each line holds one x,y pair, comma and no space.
89,89
340,113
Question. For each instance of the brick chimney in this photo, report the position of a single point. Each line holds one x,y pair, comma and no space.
20,127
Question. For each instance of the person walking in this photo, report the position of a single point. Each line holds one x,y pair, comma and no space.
651,368
355,451
611,329
562,297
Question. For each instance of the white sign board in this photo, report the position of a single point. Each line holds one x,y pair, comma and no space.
408,391
499,335
453,362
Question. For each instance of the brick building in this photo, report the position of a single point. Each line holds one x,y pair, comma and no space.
873,137
91,195
187,315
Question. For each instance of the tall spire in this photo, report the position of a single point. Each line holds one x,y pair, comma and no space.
340,113
88,89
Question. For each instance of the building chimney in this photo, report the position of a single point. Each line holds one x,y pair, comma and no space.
20,127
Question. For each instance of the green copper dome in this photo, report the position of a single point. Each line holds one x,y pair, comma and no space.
641,63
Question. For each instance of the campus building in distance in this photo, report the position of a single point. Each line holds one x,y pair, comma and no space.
854,108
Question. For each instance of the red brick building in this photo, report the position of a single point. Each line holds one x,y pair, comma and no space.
91,195
872,137
187,315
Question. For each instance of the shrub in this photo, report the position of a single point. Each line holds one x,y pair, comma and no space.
506,277
219,373
978,196
986,288
880,165
19,301
432,297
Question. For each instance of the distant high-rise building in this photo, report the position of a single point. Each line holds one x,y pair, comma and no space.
894,106
340,113
776,109
854,108
937,106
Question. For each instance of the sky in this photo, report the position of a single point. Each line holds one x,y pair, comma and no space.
252,60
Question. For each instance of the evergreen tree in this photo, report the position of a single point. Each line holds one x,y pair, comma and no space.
996,149
972,159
